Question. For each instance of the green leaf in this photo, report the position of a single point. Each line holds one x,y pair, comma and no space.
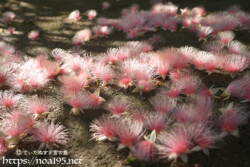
206,151
120,147
97,92
230,106
131,158
235,133
184,158
153,136
135,90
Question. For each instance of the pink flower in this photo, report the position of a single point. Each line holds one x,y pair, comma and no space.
129,132
16,122
33,35
103,21
145,85
204,104
235,88
145,150
7,17
234,63
202,135
204,31
226,37
91,14
118,106
37,106
135,48
175,75
102,59
186,113
188,84
220,22
206,92
76,101
205,60
170,24
125,12
81,36
74,15
40,61
163,104
124,53
133,33
156,121
124,81
199,11
242,17
51,69
112,55
168,9
58,54
3,146
103,72
175,143
26,80
6,49
102,30
73,84
37,80
236,47
188,52
139,114
93,101
134,8
50,134
18,83
186,22
77,64
128,68
105,30
82,100
104,128
164,61
240,88
172,92
105,5
180,64
11,30
9,99
198,110
43,66
145,47
29,80
14,131
231,119
205,139
17,116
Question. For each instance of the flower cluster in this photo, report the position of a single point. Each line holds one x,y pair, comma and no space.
136,22
176,129
183,116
